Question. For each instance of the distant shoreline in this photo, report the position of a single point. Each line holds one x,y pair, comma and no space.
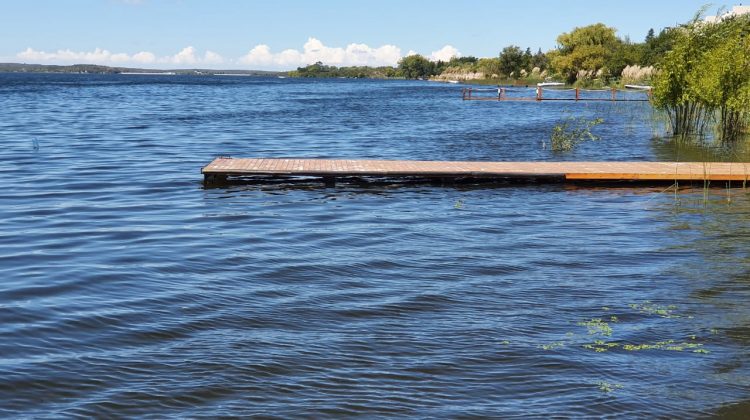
96,69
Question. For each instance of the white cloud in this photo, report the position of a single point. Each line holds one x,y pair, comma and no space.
97,56
144,57
259,57
445,53
211,57
188,56
314,50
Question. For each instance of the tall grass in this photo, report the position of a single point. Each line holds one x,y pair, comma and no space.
705,78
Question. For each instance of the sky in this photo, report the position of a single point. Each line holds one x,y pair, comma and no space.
285,34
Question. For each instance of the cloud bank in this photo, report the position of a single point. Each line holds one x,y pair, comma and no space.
314,50
188,56
259,57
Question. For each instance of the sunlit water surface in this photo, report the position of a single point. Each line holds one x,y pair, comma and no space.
128,289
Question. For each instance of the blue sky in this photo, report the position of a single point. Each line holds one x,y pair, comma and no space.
283,34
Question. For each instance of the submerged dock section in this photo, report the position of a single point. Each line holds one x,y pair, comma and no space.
224,168
541,93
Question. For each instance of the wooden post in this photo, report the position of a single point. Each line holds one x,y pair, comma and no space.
614,92
463,93
538,93
578,94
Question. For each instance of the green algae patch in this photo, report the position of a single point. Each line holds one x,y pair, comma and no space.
601,346
607,387
596,326
649,308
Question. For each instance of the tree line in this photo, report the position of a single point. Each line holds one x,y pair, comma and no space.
583,55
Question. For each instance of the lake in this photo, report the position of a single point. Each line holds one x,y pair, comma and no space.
129,289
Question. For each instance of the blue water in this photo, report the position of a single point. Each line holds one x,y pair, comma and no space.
129,289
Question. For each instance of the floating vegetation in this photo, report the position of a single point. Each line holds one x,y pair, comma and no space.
668,345
653,309
600,346
597,326
459,205
602,329
607,387
552,346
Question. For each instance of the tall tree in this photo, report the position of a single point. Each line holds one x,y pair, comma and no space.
511,61
415,66
587,48
540,60
650,36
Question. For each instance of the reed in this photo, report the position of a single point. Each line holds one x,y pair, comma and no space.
704,81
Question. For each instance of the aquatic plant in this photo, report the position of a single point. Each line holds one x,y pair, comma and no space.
706,77
552,346
668,345
607,387
602,331
600,346
647,307
567,134
597,326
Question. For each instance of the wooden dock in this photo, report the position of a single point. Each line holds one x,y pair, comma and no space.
575,95
224,168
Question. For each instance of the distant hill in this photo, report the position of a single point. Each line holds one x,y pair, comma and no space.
95,69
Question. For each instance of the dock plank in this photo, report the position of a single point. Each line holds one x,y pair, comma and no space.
593,171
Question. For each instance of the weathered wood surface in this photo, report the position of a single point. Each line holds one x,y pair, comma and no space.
594,171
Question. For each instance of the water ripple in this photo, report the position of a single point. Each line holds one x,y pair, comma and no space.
129,290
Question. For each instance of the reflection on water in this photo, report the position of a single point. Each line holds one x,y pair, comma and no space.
701,150
129,289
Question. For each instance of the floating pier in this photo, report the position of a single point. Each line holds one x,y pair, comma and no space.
223,168
571,94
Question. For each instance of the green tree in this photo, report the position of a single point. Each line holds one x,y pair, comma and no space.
511,61
540,60
649,36
527,58
657,46
454,61
584,49
489,66
623,53
415,66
